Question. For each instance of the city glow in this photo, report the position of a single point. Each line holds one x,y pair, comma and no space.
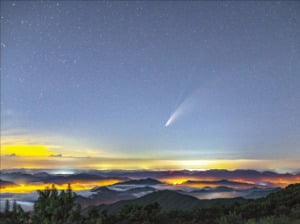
76,185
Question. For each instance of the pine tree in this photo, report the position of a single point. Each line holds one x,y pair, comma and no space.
7,208
14,208
52,207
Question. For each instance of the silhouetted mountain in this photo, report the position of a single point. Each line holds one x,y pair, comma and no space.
105,195
41,175
102,190
255,193
147,181
60,179
4,183
19,177
168,200
223,182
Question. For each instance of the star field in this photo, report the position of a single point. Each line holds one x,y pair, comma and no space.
104,77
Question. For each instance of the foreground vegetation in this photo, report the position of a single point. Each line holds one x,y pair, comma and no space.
60,208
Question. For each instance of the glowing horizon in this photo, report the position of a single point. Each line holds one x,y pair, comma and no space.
39,156
98,163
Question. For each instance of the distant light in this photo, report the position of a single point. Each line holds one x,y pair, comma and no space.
67,172
263,184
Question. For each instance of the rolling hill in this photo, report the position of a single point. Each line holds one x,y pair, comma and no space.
168,200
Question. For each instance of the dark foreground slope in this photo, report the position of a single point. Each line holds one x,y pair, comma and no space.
158,208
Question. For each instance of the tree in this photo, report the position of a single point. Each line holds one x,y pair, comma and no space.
52,207
14,208
231,218
7,208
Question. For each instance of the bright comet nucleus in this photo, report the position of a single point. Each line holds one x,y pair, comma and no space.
183,108
169,122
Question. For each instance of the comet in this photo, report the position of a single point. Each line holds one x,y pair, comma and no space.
183,108
171,119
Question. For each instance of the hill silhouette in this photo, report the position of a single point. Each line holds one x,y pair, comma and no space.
168,200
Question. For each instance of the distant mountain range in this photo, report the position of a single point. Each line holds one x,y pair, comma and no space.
112,193
133,185
134,189
147,181
4,183
226,183
267,178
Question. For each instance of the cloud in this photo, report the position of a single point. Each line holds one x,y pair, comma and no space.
24,142
27,150
11,155
56,155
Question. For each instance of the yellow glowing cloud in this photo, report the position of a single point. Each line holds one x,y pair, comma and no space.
26,150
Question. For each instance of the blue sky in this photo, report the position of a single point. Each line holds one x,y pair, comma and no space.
106,76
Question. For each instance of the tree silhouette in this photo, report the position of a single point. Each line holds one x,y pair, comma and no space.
52,207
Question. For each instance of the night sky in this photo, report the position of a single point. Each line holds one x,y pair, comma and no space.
100,80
